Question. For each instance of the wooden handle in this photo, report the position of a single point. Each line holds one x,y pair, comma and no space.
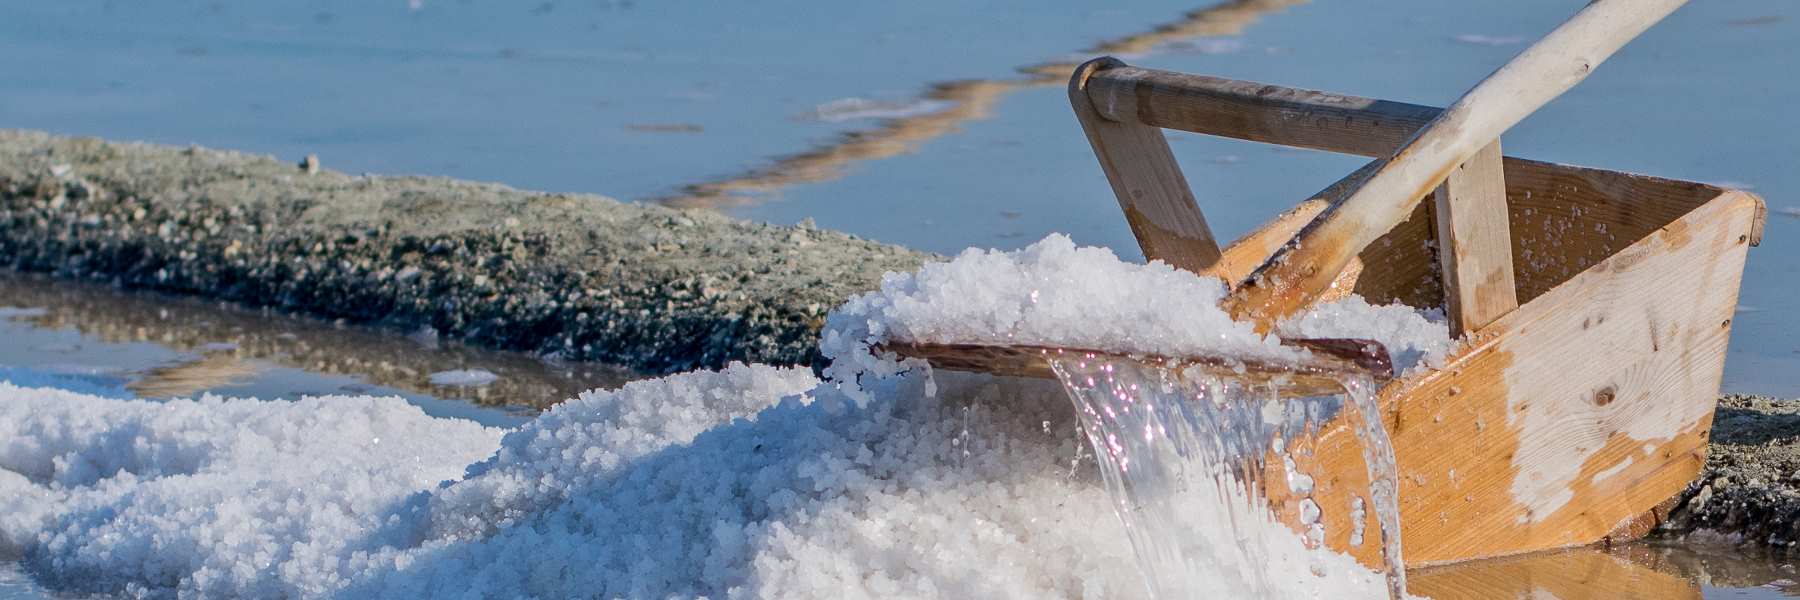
1298,273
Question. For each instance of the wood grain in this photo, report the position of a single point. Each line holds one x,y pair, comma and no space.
1474,243
1155,196
1563,219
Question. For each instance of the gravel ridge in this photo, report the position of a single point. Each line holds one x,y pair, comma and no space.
569,276
1749,492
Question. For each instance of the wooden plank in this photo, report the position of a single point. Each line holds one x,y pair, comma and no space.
1298,273
1567,418
1474,243
1313,376
1257,112
1155,196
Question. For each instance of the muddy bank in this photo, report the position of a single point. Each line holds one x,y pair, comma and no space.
1749,492
577,277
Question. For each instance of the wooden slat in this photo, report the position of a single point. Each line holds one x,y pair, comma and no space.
1314,375
1475,243
1254,111
1334,122
1157,201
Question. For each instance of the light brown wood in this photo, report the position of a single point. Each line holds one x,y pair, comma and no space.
1244,255
1569,417
1563,422
1299,272
1563,218
1474,243
1577,406
1579,574
1157,201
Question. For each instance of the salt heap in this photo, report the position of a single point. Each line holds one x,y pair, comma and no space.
1054,293
753,481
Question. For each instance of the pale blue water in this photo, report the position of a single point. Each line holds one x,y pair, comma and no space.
1704,96
540,95
635,99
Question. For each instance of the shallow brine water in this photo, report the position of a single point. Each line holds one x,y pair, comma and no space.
96,339
962,131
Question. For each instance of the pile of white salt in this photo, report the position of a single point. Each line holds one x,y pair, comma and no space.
752,481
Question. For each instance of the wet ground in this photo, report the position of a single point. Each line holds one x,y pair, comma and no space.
1638,571
97,339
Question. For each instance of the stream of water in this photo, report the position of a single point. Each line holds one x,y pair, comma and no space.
1212,475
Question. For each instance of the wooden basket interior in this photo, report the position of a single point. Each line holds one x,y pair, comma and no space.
1564,219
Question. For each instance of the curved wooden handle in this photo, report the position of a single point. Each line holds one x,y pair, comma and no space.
1303,269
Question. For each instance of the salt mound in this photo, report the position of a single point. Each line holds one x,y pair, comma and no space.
211,497
749,482
1054,293
1415,339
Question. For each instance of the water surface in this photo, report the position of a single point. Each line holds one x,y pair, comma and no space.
97,339
776,110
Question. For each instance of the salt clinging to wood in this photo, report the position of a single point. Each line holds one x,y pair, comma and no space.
1054,293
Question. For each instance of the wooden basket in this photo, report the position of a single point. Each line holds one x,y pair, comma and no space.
1595,308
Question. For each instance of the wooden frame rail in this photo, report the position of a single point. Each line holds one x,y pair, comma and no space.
1122,109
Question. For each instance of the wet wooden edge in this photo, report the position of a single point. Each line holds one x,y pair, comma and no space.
1329,359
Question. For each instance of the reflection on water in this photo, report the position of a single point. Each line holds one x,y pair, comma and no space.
158,347
1026,170
1646,571
962,101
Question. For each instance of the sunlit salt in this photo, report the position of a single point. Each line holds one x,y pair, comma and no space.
1190,490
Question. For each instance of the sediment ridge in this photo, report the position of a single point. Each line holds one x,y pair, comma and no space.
1749,492
571,276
